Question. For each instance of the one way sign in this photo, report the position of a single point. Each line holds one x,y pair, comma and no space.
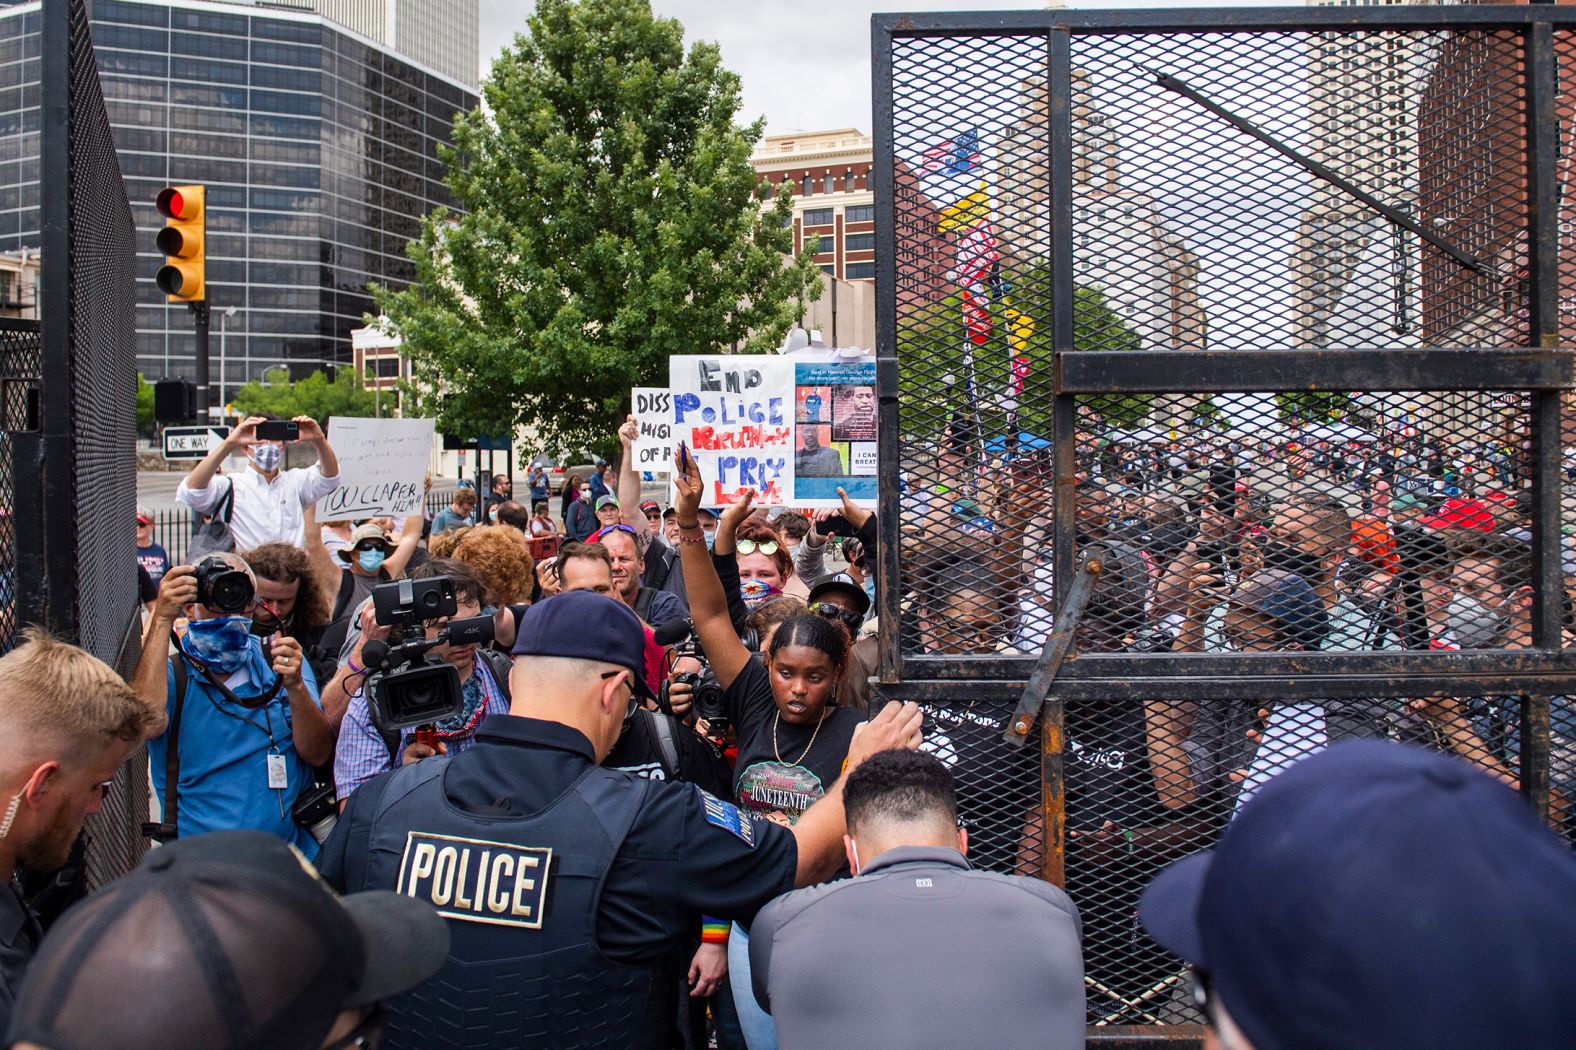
192,442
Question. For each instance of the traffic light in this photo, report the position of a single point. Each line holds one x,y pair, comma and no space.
174,400
181,241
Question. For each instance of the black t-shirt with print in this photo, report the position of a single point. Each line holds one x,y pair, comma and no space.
762,783
997,785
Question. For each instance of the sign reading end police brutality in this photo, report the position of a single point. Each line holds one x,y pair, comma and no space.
736,415
382,467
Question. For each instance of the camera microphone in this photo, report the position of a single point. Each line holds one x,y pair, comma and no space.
374,652
671,633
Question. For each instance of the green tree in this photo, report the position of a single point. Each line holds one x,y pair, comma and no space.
932,363
314,396
145,419
609,221
1313,407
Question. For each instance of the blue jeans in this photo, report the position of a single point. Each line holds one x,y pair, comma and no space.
759,1031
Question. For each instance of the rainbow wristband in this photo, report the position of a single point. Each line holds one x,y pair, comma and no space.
714,931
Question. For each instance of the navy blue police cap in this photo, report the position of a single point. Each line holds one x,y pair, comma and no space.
585,625
1380,895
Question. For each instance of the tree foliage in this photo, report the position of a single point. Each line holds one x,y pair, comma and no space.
1313,407
933,365
314,396
145,419
609,220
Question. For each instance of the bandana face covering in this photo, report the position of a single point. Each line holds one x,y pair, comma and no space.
221,643
754,592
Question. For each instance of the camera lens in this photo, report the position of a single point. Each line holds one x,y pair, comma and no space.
232,592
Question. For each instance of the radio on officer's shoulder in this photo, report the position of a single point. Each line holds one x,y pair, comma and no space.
405,685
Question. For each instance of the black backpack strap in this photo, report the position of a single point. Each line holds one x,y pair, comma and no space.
645,598
169,828
226,506
662,728
347,589
500,665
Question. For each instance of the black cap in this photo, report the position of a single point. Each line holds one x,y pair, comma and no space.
842,583
585,625
227,940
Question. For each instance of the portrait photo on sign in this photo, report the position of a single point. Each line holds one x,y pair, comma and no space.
816,455
813,404
854,413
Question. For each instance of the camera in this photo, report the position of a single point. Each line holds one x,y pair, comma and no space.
317,811
279,430
705,690
405,685
222,586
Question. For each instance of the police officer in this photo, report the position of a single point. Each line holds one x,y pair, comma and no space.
569,887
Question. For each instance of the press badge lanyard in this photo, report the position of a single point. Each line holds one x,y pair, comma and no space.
278,773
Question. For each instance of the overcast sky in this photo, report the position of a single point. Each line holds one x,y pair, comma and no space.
805,64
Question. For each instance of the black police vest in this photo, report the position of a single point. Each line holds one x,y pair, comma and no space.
521,899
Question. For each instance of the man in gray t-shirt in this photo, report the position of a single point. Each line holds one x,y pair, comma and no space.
918,950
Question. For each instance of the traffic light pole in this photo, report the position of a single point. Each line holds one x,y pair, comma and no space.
200,318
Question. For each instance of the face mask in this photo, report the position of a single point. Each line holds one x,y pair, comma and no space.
371,561
711,537
267,457
1291,559
1474,623
221,643
754,592
264,624
870,589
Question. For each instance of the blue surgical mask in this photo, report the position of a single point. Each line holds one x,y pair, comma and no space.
222,643
870,589
711,537
371,561
267,456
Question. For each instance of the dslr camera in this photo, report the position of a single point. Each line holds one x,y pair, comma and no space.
406,685
222,586
706,691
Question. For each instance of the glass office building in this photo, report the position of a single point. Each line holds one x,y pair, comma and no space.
318,148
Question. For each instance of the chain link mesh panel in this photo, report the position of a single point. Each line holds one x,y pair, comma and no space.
1352,199
89,371
19,368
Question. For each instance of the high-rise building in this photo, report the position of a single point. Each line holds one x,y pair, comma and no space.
1354,277
441,34
829,173
318,147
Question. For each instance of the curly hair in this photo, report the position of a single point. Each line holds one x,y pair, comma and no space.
497,555
442,545
286,563
773,613
762,533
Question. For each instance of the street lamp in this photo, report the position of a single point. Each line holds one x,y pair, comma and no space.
229,312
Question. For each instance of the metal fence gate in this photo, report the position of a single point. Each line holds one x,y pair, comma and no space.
1259,313
74,466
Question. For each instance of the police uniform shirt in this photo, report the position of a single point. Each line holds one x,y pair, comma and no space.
686,852
19,937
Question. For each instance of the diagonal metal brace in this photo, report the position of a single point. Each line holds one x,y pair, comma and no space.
1055,651
1313,167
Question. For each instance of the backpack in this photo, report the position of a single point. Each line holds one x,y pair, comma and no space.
214,537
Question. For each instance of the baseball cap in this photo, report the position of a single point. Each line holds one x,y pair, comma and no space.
585,625
225,939
1289,600
606,501
841,583
143,517
365,531
1380,895
649,505
706,511
1461,513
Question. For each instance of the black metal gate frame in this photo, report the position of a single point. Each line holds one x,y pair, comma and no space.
1543,371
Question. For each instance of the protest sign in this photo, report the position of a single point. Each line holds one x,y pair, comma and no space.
734,413
653,410
382,465
834,432
793,430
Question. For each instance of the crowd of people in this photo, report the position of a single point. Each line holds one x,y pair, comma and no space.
667,724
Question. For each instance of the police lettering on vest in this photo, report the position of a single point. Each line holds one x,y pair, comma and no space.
477,881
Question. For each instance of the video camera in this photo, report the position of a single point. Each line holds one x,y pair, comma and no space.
405,686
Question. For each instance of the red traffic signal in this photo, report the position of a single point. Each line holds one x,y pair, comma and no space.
181,277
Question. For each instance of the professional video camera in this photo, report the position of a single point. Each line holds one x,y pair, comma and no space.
405,686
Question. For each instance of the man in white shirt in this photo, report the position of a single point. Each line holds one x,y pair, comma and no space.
268,501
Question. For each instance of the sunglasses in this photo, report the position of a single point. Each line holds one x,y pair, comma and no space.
596,537
634,700
768,548
833,612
